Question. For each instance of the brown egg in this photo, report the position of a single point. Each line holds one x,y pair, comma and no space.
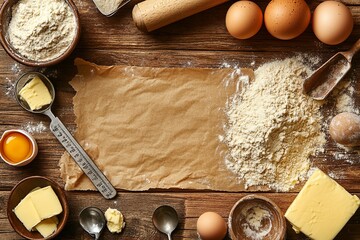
332,22
345,129
287,19
244,19
211,226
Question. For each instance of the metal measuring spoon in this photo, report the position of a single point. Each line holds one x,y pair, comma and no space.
165,219
93,221
325,78
65,138
123,3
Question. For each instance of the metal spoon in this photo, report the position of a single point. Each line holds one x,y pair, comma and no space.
64,136
326,77
123,3
93,221
165,219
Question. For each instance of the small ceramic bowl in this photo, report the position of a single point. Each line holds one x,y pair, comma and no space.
256,217
26,161
5,17
20,191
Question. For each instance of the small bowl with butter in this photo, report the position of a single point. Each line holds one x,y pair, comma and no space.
30,38
18,147
256,217
37,208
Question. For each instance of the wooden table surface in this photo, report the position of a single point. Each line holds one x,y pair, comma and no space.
198,41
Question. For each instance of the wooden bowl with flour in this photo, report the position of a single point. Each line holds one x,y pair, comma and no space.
256,217
39,33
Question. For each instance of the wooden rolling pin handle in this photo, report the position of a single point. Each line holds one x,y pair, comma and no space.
138,19
153,14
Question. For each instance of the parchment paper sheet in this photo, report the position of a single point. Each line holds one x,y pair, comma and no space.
152,127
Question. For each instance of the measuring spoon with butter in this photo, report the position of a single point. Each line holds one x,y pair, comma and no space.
36,94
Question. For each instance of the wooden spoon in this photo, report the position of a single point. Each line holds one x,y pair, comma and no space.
325,78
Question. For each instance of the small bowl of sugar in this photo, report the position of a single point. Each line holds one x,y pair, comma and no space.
256,217
39,33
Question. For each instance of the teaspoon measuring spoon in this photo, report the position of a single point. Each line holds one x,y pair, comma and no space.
165,219
93,221
65,138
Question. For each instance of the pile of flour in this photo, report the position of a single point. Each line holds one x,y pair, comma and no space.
41,30
273,127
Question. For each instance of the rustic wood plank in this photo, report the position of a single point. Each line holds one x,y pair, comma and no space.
198,41
138,207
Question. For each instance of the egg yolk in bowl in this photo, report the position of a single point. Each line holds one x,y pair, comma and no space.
16,147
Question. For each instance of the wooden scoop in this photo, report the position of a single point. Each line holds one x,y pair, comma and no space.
324,79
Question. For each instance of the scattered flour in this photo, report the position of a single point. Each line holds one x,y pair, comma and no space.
10,87
256,222
346,102
225,65
32,127
334,175
16,68
273,128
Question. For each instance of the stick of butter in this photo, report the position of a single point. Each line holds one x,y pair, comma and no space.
35,94
322,208
46,203
37,206
25,211
47,226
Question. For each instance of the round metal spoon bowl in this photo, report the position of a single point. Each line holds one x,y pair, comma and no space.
93,221
165,219
23,80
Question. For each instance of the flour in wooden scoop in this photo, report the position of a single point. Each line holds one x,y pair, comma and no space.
273,127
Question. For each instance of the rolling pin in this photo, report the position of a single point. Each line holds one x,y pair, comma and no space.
153,14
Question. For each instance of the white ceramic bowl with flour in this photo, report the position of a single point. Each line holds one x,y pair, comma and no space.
37,32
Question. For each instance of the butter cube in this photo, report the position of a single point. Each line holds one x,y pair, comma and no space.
322,208
47,226
25,211
115,220
39,204
36,94
46,202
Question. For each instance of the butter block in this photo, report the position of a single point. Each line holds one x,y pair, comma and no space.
322,208
25,211
46,202
36,94
47,226
39,204
115,220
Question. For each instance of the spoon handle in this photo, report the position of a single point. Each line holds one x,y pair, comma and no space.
84,161
97,235
353,50
169,236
